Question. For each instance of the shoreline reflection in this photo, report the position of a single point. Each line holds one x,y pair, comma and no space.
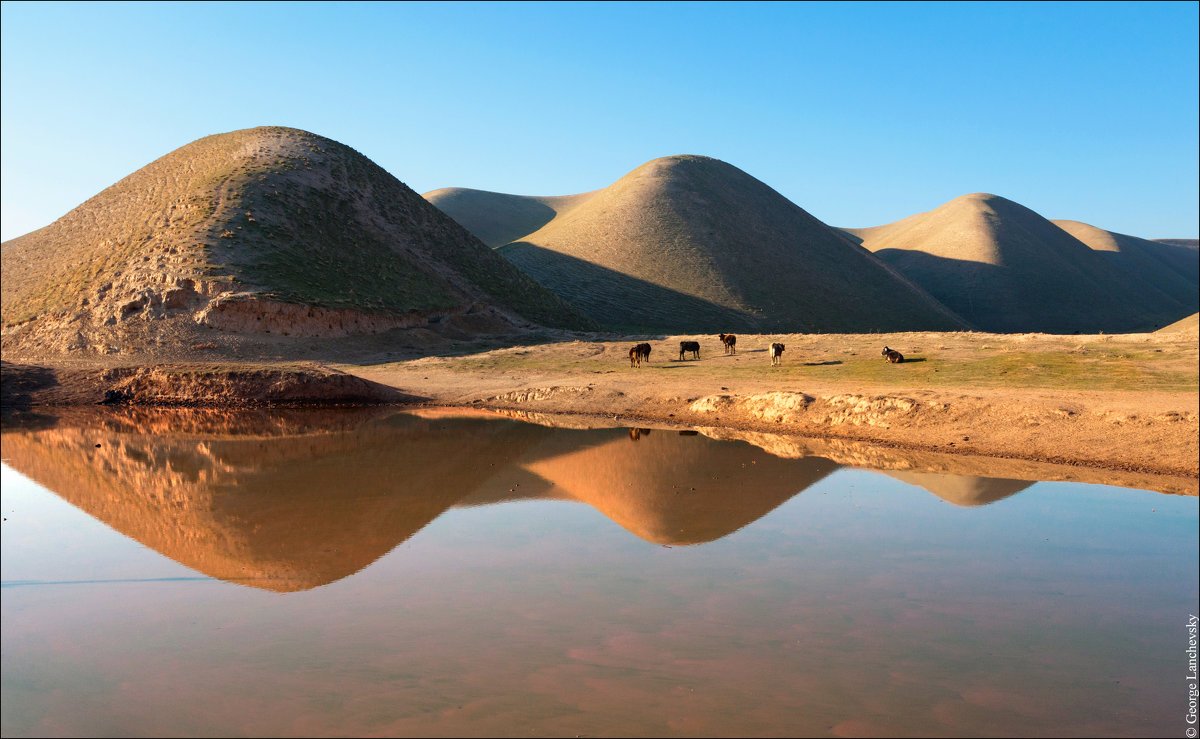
290,500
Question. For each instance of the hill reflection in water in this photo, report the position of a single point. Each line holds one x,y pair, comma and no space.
289,500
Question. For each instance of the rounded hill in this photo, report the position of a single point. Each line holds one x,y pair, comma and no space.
261,231
1005,268
691,243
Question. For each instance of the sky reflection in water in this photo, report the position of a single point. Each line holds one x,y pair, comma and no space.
392,573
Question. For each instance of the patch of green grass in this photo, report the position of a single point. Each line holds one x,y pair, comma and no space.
310,248
1103,369
1004,370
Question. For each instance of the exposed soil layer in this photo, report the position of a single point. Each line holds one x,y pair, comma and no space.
28,386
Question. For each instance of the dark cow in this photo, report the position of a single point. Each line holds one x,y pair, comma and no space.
776,353
639,354
892,355
635,434
689,346
730,342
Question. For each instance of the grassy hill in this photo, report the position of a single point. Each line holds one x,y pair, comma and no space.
1005,268
264,230
690,243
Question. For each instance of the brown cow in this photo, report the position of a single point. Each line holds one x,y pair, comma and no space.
730,342
639,354
776,353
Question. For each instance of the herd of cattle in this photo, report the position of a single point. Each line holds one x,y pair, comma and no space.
641,352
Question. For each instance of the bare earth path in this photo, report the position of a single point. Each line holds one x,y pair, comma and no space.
1121,403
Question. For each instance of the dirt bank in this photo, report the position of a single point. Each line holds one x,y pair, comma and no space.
28,386
1110,402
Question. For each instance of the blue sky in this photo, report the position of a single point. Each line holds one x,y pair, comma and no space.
861,113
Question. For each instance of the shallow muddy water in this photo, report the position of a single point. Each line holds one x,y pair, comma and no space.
448,574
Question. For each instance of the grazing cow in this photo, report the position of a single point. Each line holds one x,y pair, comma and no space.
639,354
730,342
776,353
892,355
689,346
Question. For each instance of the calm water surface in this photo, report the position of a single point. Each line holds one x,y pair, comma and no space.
323,573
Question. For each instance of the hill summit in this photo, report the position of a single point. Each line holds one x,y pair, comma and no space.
265,231
691,243
1005,268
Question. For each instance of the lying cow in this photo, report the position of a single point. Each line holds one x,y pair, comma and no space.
892,355
730,342
776,353
689,346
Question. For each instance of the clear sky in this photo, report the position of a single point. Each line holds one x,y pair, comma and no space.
860,113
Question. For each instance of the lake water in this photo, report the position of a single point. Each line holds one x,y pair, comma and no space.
386,573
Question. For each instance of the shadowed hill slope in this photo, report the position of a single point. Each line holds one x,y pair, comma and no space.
498,218
690,243
1003,267
264,230
1153,265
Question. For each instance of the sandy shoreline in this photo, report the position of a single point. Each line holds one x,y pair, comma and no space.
1015,397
